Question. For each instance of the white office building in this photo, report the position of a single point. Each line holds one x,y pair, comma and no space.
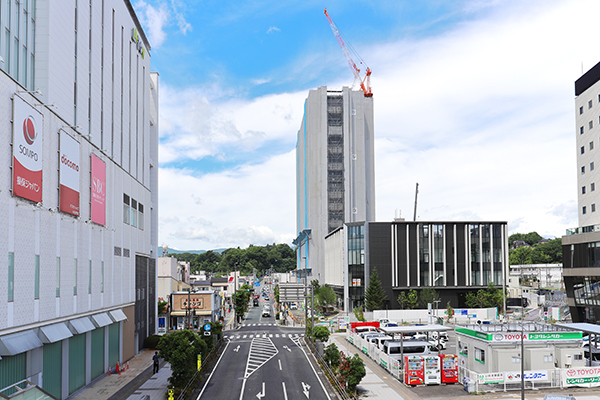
335,173
78,191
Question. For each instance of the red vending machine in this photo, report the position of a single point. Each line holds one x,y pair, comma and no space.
414,372
449,368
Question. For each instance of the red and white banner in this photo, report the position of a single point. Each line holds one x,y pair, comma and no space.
28,133
582,376
69,174
98,195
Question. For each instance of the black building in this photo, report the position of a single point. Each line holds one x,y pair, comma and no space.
452,257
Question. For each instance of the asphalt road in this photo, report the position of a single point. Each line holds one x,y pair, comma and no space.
264,360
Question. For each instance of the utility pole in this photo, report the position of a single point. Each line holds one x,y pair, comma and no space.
235,314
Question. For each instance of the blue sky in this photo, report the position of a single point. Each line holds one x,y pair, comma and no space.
473,99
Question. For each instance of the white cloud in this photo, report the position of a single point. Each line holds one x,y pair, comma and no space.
273,29
154,21
481,116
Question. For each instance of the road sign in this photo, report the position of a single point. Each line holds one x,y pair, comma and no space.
199,361
291,292
207,327
257,284
206,333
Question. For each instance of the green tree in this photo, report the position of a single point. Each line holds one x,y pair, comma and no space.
181,349
428,295
332,356
325,297
162,307
241,299
375,294
321,333
402,300
413,299
449,312
352,370
521,255
358,313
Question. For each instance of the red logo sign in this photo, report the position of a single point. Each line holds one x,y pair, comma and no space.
29,130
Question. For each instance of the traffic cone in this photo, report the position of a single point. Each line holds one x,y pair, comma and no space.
118,370
127,364
109,371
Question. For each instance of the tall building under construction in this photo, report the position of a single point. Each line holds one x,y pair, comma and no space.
335,174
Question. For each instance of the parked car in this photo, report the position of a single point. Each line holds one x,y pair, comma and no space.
293,306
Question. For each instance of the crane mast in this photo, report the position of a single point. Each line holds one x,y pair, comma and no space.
365,83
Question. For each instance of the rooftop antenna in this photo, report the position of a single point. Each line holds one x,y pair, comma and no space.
416,194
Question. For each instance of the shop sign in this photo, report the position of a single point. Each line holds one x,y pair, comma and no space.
28,132
516,336
512,377
98,190
491,377
583,376
69,174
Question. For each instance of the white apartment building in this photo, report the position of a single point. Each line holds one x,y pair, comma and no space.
335,174
78,191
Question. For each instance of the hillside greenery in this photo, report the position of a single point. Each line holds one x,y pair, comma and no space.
280,257
549,252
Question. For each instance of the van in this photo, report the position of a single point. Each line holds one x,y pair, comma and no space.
380,340
363,329
395,349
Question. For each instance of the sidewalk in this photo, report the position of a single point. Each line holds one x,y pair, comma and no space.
133,383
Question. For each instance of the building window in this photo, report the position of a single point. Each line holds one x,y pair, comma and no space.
581,130
57,276
480,355
592,166
591,145
548,359
591,124
75,277
592,187
583,170
583,190
463,349
583,210
594,207
11,276
578,357
580,110
133,212
141,216
589,104
125,209
582,149
36,288
515,360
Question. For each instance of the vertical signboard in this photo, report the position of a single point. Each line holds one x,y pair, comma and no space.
98,197
69,174
28,132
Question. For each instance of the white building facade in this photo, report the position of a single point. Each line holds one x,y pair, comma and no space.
78,191
335,172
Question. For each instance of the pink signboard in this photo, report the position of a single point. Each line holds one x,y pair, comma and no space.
28,129
98,196
69,174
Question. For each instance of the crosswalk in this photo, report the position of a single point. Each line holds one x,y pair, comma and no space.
259,324
264,335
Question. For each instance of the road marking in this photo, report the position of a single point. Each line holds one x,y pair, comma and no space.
261,351
213,371
287,348
237,348
305,389
261,394
314,371
245,336
279,364
284,391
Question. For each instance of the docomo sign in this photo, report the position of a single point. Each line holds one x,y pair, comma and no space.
69,174
28,131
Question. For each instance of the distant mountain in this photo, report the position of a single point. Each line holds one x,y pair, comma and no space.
173,251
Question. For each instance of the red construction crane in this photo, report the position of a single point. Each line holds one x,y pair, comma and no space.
365,83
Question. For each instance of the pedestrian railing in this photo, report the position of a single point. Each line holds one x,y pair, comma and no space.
341,389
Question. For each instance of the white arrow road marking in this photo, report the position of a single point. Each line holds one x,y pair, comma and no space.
305,389
262,394
284,391
287,348
237,348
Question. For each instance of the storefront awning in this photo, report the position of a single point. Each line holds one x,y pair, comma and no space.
117,315
54,333
81,325
18,343
101,320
